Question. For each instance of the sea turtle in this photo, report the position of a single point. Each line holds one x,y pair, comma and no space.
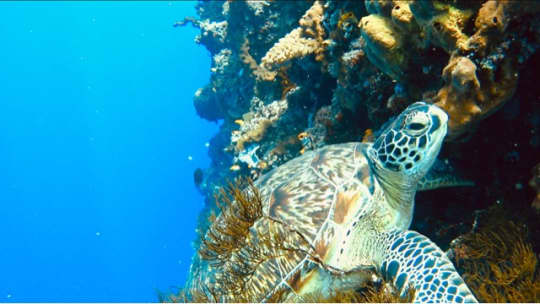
349,206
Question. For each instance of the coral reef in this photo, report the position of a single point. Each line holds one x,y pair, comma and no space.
290,77
257,121
342,68
482,72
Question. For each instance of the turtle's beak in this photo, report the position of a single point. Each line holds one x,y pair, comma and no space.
441,114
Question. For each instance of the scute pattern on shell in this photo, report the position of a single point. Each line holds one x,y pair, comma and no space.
303,193
269,181
302,203
335,163
306,205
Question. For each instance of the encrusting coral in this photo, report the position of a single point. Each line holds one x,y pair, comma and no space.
497,261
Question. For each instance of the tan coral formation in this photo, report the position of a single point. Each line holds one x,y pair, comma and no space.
384,45
493,19
465,99
304,40
259,71
257,121
396,30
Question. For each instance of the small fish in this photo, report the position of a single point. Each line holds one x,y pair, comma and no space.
302,135
239,122
234,168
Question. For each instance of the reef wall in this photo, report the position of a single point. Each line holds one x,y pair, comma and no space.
289,76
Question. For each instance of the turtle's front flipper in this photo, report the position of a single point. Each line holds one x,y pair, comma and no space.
441,175
411,259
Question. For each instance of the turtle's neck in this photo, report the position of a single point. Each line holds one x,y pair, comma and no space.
398,189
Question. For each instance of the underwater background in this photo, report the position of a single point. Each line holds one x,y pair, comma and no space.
128,128
98,143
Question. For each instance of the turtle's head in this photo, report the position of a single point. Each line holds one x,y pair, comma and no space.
407,148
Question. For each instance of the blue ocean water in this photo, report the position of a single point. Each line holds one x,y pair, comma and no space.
98,143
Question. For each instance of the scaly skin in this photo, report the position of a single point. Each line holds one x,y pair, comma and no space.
400,157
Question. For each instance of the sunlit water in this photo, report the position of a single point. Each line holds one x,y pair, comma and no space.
98,143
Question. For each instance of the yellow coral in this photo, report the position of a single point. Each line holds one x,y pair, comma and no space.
383,45
402,16
447,29
254,134
345,19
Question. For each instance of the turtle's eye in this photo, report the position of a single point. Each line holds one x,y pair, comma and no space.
416,123
416,126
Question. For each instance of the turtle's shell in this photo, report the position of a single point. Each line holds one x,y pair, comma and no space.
309,202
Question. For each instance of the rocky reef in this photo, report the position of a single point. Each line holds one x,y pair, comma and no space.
291,76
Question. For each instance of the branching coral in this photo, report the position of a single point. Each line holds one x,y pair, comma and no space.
306,39
260,72
239,248
497,261
257,121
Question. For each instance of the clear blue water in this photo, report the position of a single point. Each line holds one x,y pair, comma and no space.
97,201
